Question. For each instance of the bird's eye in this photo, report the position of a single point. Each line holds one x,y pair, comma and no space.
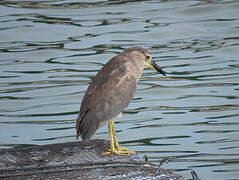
147,57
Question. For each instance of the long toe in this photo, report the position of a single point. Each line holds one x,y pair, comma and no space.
125,150
119,151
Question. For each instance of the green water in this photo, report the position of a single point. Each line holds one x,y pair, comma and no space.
51,50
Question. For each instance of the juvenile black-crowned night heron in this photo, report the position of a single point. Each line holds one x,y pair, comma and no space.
110,92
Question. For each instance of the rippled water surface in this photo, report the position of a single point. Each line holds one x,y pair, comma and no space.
50,50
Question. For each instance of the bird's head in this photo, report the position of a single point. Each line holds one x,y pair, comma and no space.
144,57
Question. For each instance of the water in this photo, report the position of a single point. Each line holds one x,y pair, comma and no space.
51,50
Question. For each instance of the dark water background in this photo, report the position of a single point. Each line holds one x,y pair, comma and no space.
51,49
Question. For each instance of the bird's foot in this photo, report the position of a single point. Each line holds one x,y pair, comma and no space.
119,151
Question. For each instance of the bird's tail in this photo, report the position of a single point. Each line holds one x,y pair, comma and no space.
80,116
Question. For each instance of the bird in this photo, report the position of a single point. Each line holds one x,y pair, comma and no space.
110,92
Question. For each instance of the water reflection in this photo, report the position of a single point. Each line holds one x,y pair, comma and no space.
51,50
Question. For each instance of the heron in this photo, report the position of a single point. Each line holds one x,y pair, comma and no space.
110,92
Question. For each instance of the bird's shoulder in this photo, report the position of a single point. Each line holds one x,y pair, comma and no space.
114,81
114,73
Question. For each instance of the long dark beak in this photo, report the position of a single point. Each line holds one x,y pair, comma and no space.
157,68
154,66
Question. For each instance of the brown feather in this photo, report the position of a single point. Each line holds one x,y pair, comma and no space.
110,92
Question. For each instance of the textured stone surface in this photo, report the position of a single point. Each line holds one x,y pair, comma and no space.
76,160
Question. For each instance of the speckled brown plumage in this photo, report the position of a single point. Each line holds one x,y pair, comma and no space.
110,91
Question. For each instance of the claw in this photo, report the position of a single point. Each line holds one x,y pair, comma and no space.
119,151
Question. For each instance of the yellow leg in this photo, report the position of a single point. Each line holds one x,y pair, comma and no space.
114,145
114,134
